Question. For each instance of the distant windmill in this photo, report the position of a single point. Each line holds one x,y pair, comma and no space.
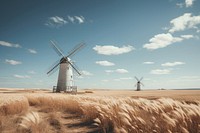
139,83
65,76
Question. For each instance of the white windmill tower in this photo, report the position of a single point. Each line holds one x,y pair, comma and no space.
65,77
139,83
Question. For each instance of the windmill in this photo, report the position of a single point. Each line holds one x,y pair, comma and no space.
66,67
139,83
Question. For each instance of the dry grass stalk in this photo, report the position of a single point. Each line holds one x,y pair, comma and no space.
55,103
10,105
32,122
133,115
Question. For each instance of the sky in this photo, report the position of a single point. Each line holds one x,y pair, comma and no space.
158,40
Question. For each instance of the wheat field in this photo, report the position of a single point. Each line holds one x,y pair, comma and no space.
100,111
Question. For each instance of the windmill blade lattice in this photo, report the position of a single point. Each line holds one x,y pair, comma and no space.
77,71
137,79
53,67
57,49
76,49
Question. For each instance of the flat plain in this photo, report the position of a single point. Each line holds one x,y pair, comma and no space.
31,110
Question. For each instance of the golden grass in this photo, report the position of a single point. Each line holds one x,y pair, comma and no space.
57,102
10,104
128,114
109,114
32,122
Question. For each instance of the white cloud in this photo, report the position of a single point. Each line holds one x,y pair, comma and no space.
80,19
186,21
121,71
32,51
148,62
170,64
105,63
112,50
21,76
161,41
8,44
13,62
86,73
189,3
71,19
126,78
160,71
187,36
56,21
117,71
76,19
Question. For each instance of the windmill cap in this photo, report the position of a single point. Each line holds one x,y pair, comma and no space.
65,60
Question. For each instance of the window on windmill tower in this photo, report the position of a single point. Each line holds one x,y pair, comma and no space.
71,77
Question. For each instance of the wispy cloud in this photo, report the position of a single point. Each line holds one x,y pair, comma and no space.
80,19
112,50
56,21
21,76
32,51
187,36
126,78
8,44
76,19
186,21
181,5
160,71
13,62
104,63
161,41
86,73
71,18
121,71
171,64
189,3
148,62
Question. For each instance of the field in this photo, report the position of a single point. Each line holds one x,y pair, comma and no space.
155,111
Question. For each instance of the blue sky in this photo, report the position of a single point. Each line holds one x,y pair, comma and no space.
157,40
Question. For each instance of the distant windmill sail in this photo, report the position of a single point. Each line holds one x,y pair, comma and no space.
66,67
139,83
